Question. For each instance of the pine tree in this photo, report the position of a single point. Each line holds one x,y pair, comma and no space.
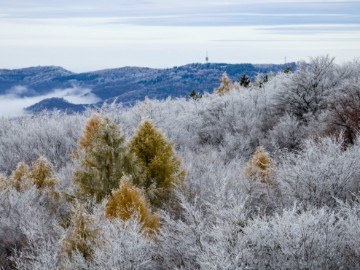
104,159
127,202
225,86
244,81
260,166
160,168
195,95
287,70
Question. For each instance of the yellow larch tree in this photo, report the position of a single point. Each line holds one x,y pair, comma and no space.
127,202
159,166
225,87
261,166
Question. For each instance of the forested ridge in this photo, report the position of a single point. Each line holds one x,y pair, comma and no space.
256,175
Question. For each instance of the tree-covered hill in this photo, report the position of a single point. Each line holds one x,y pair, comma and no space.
129,84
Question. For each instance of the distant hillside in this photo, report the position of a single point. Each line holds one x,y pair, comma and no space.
129,84
52,104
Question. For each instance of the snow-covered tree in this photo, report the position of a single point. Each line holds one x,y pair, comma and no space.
103,157
80,236
305,93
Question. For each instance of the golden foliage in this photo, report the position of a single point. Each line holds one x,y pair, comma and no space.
225,87
19,178
3,181
160,167
127,202
41,174
91,129
81,234
260,166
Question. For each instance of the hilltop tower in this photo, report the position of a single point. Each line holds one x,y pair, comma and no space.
207,58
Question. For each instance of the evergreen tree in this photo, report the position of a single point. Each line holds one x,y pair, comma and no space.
260,166
195,95
127,202
160,168
103,157
287,70
244,81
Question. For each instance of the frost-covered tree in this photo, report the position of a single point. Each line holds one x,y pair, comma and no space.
52,135
160,167
315,239
81,234
128,202
321,174
103,158
119,245
344,116
25,222
305,93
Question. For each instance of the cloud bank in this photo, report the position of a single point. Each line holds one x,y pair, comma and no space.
14,101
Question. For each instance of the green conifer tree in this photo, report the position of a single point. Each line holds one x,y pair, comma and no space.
104,159
195,95
160,167
244,81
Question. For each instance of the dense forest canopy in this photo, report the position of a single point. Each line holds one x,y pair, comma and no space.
257,175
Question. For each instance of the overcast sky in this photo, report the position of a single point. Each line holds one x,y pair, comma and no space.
90,35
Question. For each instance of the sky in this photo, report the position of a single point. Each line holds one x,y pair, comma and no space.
91,35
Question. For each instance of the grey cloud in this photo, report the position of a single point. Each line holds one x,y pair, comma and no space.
186,12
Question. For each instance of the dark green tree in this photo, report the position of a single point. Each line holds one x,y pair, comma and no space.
244,81
287,70
195,95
